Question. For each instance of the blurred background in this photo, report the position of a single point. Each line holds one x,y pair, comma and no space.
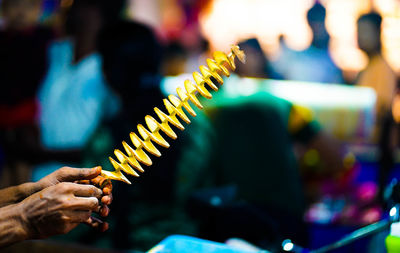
299,142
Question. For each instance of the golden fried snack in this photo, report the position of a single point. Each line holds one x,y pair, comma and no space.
130,162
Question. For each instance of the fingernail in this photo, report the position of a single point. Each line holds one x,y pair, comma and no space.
106,191
106,200
104,211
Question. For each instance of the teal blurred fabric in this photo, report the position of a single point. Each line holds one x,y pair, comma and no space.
245,141
74,98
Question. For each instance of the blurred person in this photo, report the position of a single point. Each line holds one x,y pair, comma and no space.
196,46
388,143
23,63
314,64
74,87
75,100
131,65
257,65
20,14
174,59
239,175
189,36
378,74
54,205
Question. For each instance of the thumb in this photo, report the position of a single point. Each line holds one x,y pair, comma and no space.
75,174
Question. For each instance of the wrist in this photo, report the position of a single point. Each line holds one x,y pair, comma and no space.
15,194
38,186
27,189
13,226
23,227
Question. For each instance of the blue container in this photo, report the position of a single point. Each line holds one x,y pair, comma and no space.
187,244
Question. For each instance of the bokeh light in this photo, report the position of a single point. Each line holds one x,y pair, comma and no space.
229,21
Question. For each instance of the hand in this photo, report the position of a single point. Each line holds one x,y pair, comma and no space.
106,186
58,209
68,174
84,176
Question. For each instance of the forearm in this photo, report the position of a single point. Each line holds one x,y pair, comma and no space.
15,194
11,226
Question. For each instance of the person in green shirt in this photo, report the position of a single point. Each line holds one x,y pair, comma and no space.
241,149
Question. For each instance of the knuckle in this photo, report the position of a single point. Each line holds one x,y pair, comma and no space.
64,187
63,169
64,205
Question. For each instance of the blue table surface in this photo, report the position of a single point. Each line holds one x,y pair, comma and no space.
188,244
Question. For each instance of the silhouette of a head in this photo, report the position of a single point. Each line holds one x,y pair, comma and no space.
316,20
369,33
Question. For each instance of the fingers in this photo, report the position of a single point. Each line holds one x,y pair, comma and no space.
94,195
107,188
81,190
104,211
91,203
106,200
102,182
80,203
87,197
68,174
83,181
97,224
77,216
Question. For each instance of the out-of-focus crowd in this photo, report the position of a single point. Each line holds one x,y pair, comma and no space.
73,88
